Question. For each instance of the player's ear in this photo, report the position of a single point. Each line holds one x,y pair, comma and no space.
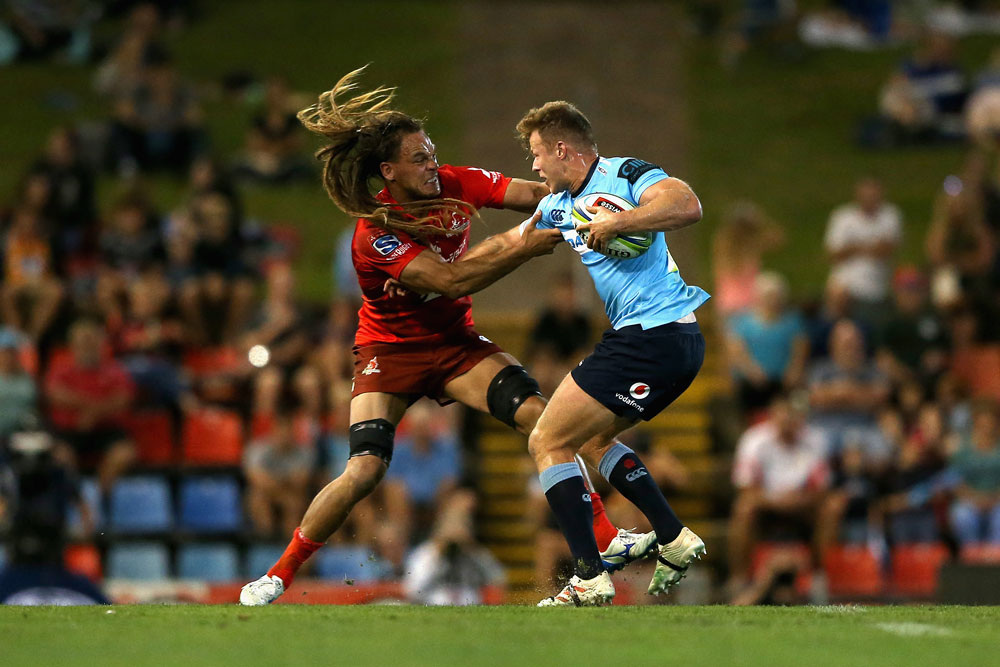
388,172
561,150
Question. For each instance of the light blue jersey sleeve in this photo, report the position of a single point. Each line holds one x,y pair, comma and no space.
636,175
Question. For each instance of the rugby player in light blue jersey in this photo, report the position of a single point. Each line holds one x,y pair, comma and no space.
643,363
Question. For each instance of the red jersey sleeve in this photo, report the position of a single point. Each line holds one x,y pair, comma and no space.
388,251
480,187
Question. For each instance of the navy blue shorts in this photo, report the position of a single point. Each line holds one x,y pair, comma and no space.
636,372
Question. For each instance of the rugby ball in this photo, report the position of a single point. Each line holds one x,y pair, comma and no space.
624,246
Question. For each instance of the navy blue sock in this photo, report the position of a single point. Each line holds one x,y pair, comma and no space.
629,476
570,502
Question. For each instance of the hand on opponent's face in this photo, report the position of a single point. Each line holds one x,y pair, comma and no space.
603,228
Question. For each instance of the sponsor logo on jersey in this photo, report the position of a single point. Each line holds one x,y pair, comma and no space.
386,244
635,474
633,168
484,339
629,402
639,390
372,367
608,204
557,215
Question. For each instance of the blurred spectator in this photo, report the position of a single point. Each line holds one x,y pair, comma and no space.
768,347
218,299
909,512
560,337
960,246
738,246
846,391
975,513
71,206
923,101
148,341
18,393
914,343
767,23
158,125
130,246
426,467
278,467
279,327
332,356
781,476
39,29
121,72
982,117
861,239
823,316
273,151
89,396
31,293
450,568
849,24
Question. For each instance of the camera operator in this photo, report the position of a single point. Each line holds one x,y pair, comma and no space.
451,568
36,492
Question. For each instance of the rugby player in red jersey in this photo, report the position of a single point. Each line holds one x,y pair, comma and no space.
417,341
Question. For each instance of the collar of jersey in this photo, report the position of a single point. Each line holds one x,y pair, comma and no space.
586,181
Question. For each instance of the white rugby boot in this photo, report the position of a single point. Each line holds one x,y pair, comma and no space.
673,560
583,593
262,592
627,547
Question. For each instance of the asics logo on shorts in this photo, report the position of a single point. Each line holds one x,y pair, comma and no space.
639,390
586,497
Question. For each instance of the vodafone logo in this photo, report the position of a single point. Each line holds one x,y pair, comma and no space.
639,390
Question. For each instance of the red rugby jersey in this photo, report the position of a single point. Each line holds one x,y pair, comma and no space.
379,254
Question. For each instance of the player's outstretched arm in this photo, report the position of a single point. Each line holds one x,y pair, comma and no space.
524,195
664,206
427,272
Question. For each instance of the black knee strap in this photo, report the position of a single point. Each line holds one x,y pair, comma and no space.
373,437
511,387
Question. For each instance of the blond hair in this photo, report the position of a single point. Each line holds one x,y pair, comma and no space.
363,132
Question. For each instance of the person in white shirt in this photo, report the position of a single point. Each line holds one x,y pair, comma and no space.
861,239
781,473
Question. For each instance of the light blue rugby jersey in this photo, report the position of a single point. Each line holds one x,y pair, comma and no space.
647,290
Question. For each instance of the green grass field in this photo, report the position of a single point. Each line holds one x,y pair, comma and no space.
704,636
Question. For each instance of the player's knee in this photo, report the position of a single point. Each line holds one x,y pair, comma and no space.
363,474
510,390
371,442
539,443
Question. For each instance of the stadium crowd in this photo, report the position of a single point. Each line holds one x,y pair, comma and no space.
874,413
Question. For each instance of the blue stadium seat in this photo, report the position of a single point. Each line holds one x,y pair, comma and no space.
260,558
92,498
208,562
146,561
141,505
349,563
210,505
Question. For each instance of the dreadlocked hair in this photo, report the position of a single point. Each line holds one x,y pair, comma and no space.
363,132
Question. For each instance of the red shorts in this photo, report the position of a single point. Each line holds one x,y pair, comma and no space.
418,369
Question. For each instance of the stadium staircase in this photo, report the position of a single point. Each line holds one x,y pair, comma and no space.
505,471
